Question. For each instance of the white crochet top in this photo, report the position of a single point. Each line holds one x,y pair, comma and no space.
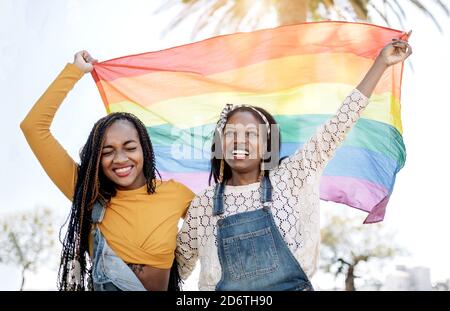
295,205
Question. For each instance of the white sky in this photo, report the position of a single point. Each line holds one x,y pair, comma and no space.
37,38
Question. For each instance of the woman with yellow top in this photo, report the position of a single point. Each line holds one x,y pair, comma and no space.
123,223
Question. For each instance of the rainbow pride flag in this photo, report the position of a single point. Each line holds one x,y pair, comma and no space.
300,74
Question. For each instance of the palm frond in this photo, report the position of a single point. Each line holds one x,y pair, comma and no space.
233,15
424,10
360,8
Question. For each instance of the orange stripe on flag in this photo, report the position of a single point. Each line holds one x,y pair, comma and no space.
271,76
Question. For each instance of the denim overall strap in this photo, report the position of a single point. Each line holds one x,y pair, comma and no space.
98,212
266,191
218,199
109,271
253,254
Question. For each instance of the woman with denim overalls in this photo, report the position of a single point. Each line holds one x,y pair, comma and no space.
258,227
122,229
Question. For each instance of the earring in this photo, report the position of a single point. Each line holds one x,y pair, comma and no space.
222,167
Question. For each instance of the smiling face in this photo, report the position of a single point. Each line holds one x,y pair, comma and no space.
242,143
122,158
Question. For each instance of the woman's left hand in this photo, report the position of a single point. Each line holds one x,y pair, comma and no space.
395,52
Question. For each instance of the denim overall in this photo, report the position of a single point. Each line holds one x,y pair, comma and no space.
109,272
252,252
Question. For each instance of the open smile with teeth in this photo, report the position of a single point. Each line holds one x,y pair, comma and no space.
123,171
240,154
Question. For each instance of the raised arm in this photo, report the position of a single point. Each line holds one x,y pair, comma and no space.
57,163
321,147
395,52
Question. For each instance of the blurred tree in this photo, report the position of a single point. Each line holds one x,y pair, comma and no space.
346,243
27,239
233,15
442,286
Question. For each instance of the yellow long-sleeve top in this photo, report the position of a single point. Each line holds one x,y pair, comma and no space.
139,227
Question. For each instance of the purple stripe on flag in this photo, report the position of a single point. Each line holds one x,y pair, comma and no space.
356,193
196,181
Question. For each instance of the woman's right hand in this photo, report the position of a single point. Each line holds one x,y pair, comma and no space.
84,61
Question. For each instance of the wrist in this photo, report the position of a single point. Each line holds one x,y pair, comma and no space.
75,69
78,67
381,63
